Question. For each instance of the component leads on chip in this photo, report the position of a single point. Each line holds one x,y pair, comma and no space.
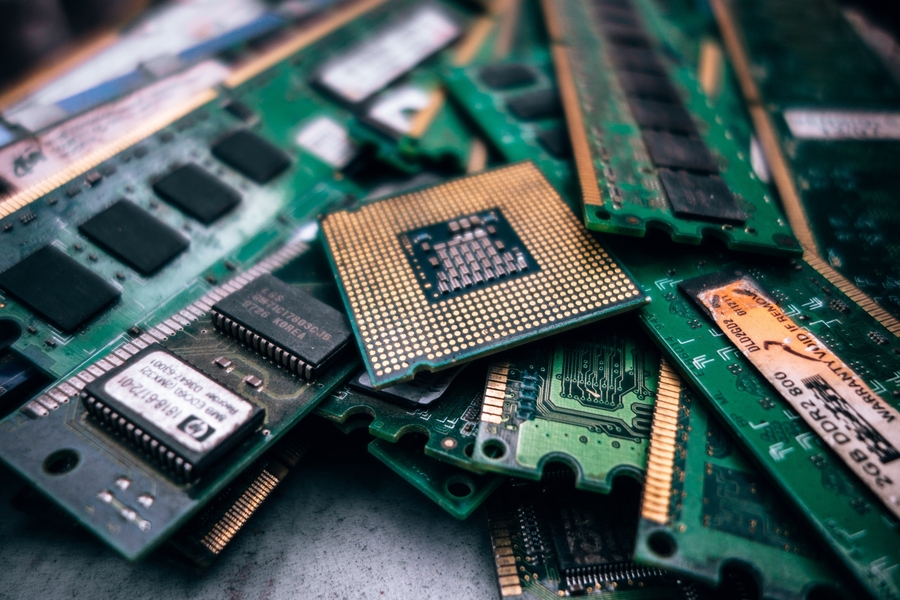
283,324
170,412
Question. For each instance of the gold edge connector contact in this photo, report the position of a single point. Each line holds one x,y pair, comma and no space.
495,393
262,346
661,460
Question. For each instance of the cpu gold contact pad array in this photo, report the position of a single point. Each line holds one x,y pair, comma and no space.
398,326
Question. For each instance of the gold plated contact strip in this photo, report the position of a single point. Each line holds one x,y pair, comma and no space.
505,561
510,12
495,393
25,197
478,155
661,460
304,38
781,172
581,147
244,507
709,69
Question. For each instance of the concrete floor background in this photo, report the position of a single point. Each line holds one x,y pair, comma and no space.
340,526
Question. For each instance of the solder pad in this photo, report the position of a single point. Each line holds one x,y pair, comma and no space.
400,329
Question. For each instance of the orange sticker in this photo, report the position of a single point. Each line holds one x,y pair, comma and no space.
833,400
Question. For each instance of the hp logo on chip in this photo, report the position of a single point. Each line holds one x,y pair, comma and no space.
197,428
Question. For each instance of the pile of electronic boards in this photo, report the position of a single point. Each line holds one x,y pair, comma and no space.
626,272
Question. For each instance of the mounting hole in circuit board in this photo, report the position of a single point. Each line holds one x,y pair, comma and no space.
603,215
459,487
469,449
662,544
494,449
61,462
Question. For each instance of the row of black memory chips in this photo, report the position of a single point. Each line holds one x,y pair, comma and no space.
68,295
688,171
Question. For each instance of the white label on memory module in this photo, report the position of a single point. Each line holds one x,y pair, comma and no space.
375,63
848,415
183,402
327,140
843,125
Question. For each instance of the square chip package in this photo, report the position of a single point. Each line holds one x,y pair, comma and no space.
441,276
283,324
170,412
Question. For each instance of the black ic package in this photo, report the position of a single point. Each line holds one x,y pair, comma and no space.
191,421
506,76
284,324
636,60
58,288
650,114
534,106
252,155
652,87
701,197
197,193
134,236
556,142
679,152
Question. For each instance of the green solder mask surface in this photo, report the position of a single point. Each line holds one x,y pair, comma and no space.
622,189
550,541
724,514
823,490
585,399
116,493
449,423
513,137
280,102
458,491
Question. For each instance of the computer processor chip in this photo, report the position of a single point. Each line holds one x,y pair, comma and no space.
171,412
446,274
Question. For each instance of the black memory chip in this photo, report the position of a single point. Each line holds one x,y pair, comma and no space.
701,197
134,236
250,154
652,87
534,106
650,114
284,324
556,142
171,412
631,37
679,152
197,193
58,288
636,60
503,77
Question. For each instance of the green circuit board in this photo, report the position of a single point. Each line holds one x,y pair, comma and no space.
449,422
650,150
720,511
112,490
584,399
839,506
821,98
491,91
544,140
279,105
456,490
550,541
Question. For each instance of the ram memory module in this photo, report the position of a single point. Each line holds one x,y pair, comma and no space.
826,110
782,402
707,511
585,400
649,150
